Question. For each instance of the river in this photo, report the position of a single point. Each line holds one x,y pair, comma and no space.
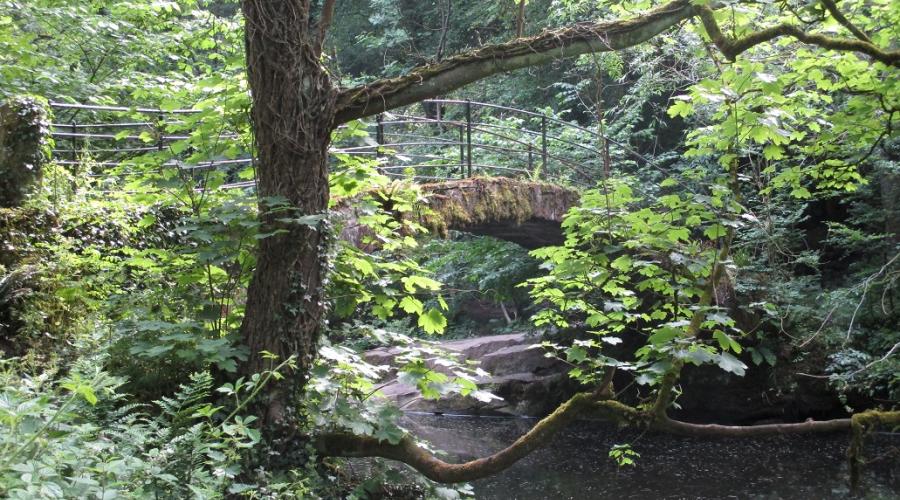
575,464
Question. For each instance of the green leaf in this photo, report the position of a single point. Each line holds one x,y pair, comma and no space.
433,321
411,305
576,354
773,152
413,282
622,263
726,342
146,221
664,334
681,108
731,364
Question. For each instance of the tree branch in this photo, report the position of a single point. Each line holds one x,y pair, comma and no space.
838,16
436,79
715,430
325,23
454,72
408,452
580,405
733,47
520,19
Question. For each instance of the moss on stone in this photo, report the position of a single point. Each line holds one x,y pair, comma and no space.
860,425
494,200
24,147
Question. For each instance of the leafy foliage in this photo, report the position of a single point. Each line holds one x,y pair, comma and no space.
77,437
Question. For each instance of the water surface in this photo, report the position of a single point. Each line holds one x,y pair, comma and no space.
575,464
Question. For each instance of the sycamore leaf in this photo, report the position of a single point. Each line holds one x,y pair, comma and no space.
731,364
433,321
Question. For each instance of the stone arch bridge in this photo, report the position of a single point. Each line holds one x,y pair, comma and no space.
525,212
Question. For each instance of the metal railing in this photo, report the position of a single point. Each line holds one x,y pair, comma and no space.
449,139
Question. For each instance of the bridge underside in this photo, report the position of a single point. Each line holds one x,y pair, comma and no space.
524,212
529,234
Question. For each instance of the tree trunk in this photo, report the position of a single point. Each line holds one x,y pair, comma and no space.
293,110
520,19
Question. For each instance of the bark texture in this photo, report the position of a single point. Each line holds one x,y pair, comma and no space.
293,102
733,47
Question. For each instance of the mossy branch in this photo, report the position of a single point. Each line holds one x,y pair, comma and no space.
860,425
839,16
452,73
408,452
733,47
587,404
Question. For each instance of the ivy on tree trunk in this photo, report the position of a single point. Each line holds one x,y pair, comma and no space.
293,107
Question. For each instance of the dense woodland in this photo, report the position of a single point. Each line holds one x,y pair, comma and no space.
214,212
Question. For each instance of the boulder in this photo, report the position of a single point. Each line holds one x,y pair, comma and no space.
529,383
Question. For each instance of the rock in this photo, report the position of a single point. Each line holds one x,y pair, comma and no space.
467,349
518,358
529,383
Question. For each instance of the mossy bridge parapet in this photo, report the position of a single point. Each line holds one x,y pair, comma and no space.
525,212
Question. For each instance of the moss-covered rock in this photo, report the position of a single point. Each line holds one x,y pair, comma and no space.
24,147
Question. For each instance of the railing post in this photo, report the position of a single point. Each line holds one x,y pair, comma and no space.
544,143
379,139
469,136
379,129
530,158
162,130
74,124
462,153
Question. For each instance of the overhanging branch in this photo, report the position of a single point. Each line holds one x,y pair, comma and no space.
733,47
454,72
839,16
669,425
580,405
436,79
408,452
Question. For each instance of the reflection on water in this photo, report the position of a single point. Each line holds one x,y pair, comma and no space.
575,464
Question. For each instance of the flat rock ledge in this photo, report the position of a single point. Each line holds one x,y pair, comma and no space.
529,383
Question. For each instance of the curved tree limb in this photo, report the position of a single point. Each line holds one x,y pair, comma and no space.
580,405
408,452
452,73
733,47
838,16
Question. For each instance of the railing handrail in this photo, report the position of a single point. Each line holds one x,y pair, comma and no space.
97,107
519,144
